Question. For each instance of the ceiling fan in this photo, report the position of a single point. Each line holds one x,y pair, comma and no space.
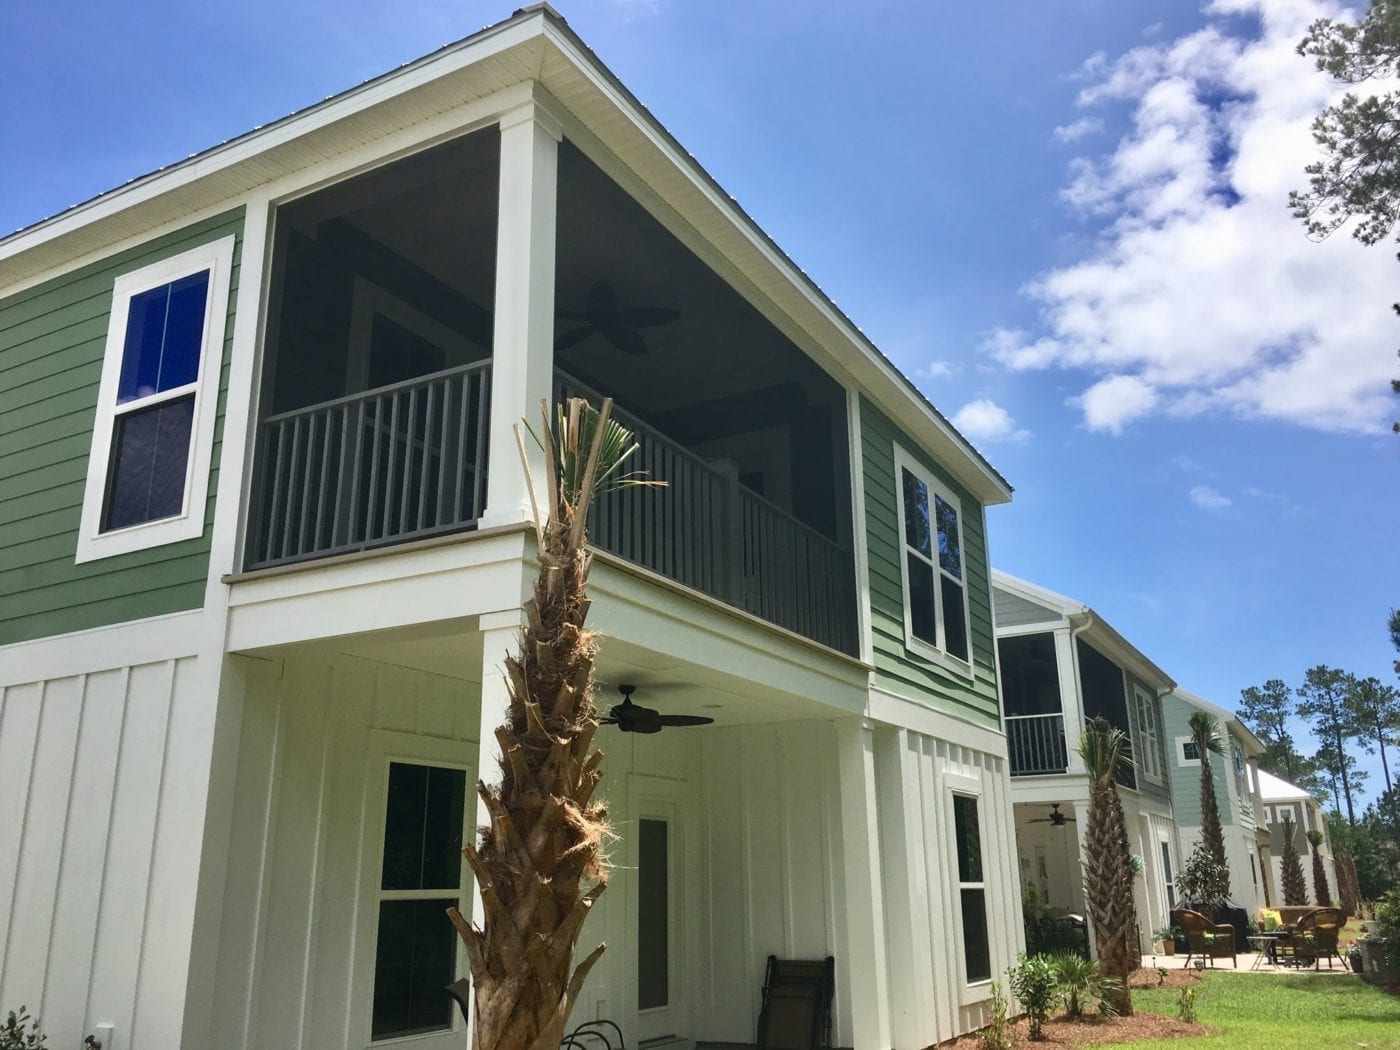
1055,819
632,718
602,316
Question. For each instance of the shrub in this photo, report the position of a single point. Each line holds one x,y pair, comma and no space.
1161,976
997,1035
1203,878
21,1032
1083,984
1186,1005
1036,983
1387,925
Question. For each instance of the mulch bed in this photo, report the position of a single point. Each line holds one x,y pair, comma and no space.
1095,1030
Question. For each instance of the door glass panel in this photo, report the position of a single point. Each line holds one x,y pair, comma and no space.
653,916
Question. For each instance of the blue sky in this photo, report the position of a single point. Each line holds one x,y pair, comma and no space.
1066,220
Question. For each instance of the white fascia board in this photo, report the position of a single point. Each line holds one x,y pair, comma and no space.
1031,592
1253,746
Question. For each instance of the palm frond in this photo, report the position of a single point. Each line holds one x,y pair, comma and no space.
1205,732
1103,747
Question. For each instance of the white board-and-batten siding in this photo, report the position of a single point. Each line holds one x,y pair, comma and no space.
102,845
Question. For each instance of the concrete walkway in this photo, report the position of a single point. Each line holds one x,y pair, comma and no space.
1249,962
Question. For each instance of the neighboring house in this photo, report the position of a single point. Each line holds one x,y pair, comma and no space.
1063,663
1235,774
265,541
1279,797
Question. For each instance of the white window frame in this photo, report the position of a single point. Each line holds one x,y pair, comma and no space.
1181,759
1164,853
914,644
969,787
93,543
1151,748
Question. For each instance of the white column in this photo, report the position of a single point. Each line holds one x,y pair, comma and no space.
523,339
1071,703
865,969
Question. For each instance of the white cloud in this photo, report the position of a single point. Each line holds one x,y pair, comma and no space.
1078,129
1202,294
938,370
985,420
1112,403
1208,498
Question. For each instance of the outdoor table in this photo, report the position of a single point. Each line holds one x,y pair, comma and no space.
1263,944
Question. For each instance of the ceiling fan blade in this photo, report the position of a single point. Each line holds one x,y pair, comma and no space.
684,720
625,339
578,335
647,316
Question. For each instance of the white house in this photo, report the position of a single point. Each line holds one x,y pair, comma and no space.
265,541
1279,798
1061,664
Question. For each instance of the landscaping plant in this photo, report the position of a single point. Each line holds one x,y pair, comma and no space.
1083,984
1387,926
1295,890
1108,869
1202,879
1186,1005
21,1032
1320,891
997,1034
546,829
1035,981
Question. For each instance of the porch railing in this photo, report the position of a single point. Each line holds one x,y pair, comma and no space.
1037,744
392,464
709,532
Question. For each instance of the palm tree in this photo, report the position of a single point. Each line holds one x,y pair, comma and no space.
1321,894
546,830
1205,734
1108,866
1295,890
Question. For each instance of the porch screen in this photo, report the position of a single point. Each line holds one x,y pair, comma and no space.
971,889
421,877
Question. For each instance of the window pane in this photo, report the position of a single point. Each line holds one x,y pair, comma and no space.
916,523
969,839
921,600
415,960
423,827
949,550
164,330
1189,751
954,618
150,456
653,916
976,950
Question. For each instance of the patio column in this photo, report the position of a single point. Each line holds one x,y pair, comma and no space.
865,969
522,357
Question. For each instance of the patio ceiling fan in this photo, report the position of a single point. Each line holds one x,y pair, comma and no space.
633,718
1055,819
603,316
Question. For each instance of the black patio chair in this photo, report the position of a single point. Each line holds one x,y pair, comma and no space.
796,1013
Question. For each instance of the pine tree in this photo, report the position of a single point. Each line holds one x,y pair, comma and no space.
1374,709
1322,697
1108,865
1321,894
1295,889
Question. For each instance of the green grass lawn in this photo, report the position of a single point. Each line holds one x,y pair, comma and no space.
1285,1010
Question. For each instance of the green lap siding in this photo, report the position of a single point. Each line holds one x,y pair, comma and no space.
896,668
1186,780
51,342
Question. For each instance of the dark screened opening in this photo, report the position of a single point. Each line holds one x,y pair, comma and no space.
385,277
653,916
641,318
1030,675
1102,683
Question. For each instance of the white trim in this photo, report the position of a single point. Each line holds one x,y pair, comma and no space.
1144,702
936,653
860,541
155,639
1181,760
954,785
896,710
93,543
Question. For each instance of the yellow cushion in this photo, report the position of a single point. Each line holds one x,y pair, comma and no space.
1265,914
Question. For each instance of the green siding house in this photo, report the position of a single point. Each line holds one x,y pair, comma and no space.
265,534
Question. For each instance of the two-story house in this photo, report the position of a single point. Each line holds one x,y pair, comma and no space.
1235,775
1278,798
1061,664
265,538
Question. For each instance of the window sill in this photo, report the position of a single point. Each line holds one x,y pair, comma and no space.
148,534
977,992
920,648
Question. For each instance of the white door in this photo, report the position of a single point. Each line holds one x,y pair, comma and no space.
659,991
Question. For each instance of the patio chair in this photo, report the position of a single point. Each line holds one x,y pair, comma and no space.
1315,935
1207,939
796,1013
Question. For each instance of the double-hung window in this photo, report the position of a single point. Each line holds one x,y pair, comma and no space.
972,889
934,570
1147,748
148,473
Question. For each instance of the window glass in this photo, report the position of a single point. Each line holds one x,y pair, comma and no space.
1167,874
949,547
969,838
954,619
150,456
653,915
921,610
977,951
164,332
916,520
420,878
1189,751
971,889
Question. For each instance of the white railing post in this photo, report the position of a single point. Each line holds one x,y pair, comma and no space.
523,337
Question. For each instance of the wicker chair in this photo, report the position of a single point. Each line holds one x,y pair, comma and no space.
1206,938
1315,935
